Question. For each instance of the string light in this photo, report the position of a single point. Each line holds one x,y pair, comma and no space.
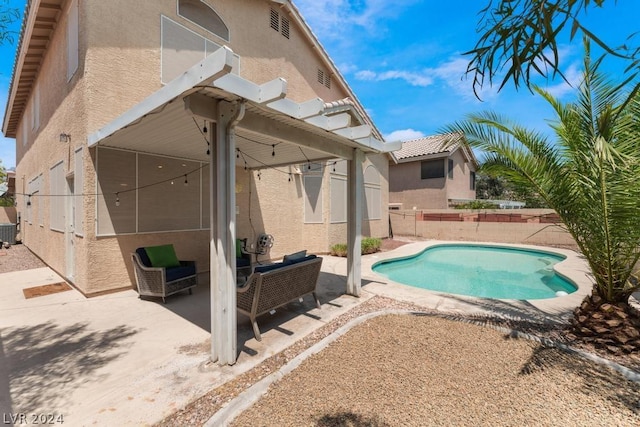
289,176
117,199
186,181
273,150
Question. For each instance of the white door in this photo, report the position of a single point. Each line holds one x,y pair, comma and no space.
70,229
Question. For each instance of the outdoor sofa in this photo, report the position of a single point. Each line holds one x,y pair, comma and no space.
272,286
159,273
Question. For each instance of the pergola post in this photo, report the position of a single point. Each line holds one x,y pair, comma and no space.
355,179
223,235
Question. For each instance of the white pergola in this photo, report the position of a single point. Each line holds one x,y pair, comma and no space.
253,119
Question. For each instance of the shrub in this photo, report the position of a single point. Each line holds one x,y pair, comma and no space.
369,245
477,204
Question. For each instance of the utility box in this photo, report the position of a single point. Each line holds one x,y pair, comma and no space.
8,233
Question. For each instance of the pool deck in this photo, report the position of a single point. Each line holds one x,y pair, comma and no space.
119,360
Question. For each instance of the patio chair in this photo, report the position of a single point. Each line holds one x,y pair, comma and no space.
159,273
272,286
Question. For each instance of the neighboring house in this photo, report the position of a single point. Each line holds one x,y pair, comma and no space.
8,188
119,109
430,172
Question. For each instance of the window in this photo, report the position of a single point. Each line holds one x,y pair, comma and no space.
78,173
57,191
450,168
372,193
432,169
72,39
35,108
182,48
472,181
279,23
33,190
338,190
313,199
116,180
204,16
145,193
24,130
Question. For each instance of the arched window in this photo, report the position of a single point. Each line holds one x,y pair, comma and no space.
203,15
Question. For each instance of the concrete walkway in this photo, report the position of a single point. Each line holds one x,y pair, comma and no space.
119,360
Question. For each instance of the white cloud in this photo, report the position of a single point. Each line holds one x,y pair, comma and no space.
412,78
403,135
328,18
573,76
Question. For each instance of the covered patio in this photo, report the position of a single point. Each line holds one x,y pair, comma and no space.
245,123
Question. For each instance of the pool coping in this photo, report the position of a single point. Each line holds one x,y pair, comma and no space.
559,309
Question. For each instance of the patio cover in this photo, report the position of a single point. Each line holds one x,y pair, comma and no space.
247,124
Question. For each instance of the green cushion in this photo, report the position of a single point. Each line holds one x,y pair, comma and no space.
239,248
162,256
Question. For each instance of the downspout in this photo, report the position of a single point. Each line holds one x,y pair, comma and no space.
226,352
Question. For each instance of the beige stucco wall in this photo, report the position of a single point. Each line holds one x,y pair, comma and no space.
406,187
62,110
8,215
460,186
119,65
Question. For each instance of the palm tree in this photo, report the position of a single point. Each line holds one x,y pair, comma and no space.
590,175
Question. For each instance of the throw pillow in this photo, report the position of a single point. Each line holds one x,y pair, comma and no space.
294,256
163,256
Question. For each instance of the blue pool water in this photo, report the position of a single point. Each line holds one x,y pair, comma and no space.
480,271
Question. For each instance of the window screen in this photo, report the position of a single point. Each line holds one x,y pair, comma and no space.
450,169
78,174
372,194
201,14
432,169
338,199
313,199
168,195
57,193
116,182
72,40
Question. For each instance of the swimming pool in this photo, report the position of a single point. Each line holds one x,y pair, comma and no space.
480,271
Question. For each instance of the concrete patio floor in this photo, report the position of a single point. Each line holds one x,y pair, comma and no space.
120,360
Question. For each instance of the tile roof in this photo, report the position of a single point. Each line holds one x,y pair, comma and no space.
433,144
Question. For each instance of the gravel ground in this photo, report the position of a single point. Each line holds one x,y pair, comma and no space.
17,258
399,370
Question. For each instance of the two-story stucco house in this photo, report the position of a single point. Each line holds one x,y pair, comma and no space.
186,122
430,172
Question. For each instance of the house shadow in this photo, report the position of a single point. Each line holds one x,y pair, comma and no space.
40,365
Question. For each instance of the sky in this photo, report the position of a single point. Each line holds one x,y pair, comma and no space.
404,61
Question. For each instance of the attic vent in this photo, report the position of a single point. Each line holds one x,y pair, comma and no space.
275,20
279,23
324,78
285,27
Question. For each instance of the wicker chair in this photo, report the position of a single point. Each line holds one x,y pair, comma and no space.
275,285
160,281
